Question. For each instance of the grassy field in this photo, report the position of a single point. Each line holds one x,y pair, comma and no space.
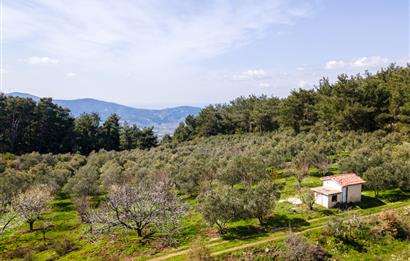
67,239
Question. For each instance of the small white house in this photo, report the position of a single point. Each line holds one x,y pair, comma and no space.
343,188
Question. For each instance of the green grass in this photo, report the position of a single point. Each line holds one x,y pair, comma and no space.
386,249
64,223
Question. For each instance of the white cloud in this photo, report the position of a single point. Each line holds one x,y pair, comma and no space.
256,74
335,64
152,33
264,84
71,74
302,84
41,60
142,39
300,68
359,63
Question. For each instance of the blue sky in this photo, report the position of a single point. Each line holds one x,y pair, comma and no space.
180,52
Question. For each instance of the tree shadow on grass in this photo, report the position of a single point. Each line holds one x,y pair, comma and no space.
326,212
281,220
242,232
272,224
355,245
394,195
63,206
370,202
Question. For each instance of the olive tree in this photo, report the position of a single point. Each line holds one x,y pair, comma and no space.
84,182
307,197
32,203
376,179
259,200
299,170
219,205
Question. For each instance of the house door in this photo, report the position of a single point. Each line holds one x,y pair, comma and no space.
344,194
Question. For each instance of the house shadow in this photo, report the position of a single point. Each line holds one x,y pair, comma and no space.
369,202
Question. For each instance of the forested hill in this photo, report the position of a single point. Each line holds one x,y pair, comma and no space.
27,125
356,103
163,120
352,103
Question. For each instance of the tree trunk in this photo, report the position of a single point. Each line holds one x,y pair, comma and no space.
139,232
31,223
261,221
220,228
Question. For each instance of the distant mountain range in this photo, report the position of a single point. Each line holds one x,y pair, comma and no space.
164,120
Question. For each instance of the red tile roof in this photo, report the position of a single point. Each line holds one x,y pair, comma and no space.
345,179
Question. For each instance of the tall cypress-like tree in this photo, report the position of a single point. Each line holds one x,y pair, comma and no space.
298,110
87,133
17,118
53,127
110,133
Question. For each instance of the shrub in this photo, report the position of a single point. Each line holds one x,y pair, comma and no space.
24,253
64,246
199,251
298,248
394,225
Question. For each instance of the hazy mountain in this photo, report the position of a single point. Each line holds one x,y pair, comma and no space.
164,120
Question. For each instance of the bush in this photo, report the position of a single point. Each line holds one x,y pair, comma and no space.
298,248
24,253
64,246
391,224
199,251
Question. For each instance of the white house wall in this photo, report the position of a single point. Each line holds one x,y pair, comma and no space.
321,199
326,200
354,193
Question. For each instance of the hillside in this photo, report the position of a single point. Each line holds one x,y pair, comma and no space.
211,175
237,182
163,120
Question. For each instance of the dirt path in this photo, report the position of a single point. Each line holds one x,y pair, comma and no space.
255,243
266,240
184,252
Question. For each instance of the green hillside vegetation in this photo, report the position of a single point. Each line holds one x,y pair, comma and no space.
45,127
356,103
213,193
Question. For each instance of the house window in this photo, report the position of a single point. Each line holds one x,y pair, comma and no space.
334,198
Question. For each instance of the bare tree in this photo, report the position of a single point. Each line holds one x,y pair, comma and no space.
84,210
32,203
8,219
144,204
6,214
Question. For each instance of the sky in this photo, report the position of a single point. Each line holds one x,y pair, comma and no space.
163,53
